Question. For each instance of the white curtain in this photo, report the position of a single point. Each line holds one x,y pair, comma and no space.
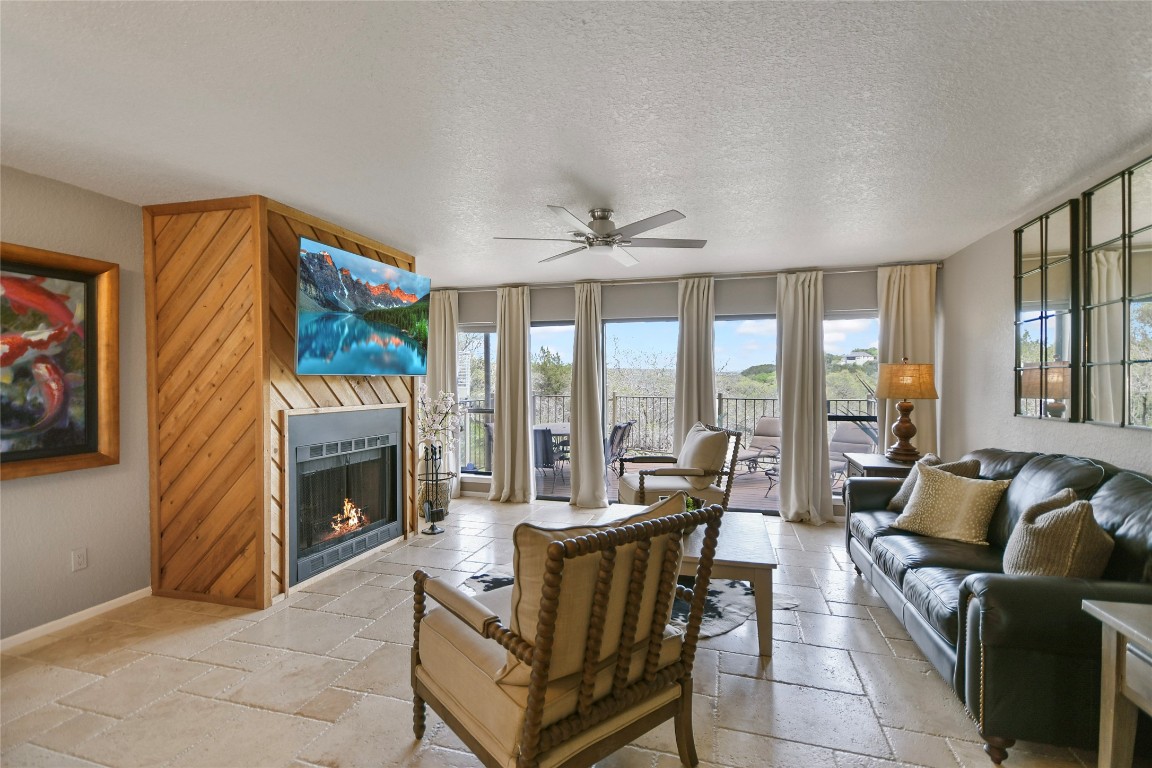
587,426
1106,338
442,362
695,377
907,297
512,475
805,481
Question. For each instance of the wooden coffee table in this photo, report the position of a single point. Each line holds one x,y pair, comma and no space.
743,552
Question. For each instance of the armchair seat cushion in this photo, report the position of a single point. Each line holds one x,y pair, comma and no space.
866,526
655,487
895,555
461,666
935,593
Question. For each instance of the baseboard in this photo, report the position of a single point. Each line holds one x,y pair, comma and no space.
54,626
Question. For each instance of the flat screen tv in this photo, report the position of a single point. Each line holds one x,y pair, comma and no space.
356,316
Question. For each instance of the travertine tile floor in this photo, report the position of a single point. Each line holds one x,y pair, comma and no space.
321,678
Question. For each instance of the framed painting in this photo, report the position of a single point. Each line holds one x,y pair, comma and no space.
59,362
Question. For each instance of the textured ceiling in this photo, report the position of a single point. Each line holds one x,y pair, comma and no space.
790,134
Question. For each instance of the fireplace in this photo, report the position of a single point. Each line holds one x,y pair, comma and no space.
345,471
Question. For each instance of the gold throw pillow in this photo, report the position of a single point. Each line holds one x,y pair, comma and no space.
1058,537
950,507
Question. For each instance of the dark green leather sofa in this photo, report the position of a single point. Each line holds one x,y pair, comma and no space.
1018,650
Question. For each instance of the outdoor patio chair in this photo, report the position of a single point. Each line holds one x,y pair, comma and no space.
704,469
762,452
617,442
577,658
848,437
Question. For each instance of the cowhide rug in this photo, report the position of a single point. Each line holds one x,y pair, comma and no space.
728,605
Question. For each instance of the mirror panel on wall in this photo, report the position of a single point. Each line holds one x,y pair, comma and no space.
1118,298
1046,320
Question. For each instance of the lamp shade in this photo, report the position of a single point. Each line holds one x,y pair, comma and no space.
907,381
1058,379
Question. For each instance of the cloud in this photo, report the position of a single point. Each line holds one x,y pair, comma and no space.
765,327
850,326
834,337
538,330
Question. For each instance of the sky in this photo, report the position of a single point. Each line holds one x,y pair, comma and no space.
370,270
739,344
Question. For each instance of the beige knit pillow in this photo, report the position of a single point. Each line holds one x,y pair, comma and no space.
969,468
950,507
1058,537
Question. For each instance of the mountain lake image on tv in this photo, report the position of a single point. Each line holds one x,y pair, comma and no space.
357,316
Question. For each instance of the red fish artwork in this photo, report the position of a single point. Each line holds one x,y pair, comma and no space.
34,347
53,389
25,294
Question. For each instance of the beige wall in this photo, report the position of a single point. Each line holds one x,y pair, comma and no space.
104,509
977,387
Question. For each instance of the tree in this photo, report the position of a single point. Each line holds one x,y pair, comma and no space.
550,374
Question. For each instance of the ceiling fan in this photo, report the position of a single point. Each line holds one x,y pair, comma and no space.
601,235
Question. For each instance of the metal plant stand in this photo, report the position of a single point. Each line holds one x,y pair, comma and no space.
435,490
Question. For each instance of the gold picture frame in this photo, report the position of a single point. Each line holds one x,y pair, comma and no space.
60,323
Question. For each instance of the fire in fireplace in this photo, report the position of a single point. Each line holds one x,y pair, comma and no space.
345,495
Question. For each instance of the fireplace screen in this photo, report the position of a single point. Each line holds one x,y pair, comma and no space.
345,494
341,497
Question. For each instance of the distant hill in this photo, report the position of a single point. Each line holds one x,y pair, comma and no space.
756,370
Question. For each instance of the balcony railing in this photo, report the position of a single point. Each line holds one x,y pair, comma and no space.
654,417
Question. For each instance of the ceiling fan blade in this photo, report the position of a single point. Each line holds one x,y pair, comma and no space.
644,225
544,239
570,220
663,242
624,257
562,255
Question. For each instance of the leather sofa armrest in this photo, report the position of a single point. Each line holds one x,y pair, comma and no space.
869,493
863,494
1039,613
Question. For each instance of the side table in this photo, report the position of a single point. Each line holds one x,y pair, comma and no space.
1125,676
875,465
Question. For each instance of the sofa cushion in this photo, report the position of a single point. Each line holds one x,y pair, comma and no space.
1123,508
999,464
969,468
866,526
894,555
935,594
951,507
1058,537
1040,479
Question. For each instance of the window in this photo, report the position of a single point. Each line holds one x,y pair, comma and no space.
1118,298
475,382
551,360
745,359
640,379
1047,280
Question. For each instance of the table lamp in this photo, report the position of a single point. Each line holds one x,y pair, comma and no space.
1057,389
906,381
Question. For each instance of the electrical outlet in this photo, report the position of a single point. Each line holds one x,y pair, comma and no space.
79,558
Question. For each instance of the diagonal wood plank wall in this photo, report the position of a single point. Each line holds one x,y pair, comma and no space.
220,281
